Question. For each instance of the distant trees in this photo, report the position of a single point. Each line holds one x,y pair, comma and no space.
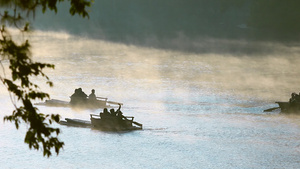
18,81
276,15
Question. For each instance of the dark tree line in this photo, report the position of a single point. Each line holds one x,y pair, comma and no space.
140,19
275,17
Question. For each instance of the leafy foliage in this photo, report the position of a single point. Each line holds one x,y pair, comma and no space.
22,68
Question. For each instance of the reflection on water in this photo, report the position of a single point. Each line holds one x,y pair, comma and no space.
197,109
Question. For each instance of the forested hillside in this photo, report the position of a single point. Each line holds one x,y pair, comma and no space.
140,20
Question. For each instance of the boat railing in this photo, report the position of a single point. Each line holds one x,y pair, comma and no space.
91,115
112,102
129,118
102,98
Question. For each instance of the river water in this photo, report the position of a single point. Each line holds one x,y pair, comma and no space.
198,110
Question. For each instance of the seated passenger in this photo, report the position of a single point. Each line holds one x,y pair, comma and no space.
112,112
92,96
74,97
105,111
82,94
78,97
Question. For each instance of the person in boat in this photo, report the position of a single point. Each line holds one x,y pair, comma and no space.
294,98
74,97
105,113
92,96
78,97
119,113
294,102
112,112
122,120
297,97
82,94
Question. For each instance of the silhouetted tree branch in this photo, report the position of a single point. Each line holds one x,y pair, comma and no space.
22,68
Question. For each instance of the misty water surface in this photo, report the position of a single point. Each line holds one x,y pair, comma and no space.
199,110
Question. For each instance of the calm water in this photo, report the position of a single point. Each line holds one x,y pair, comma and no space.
198,110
